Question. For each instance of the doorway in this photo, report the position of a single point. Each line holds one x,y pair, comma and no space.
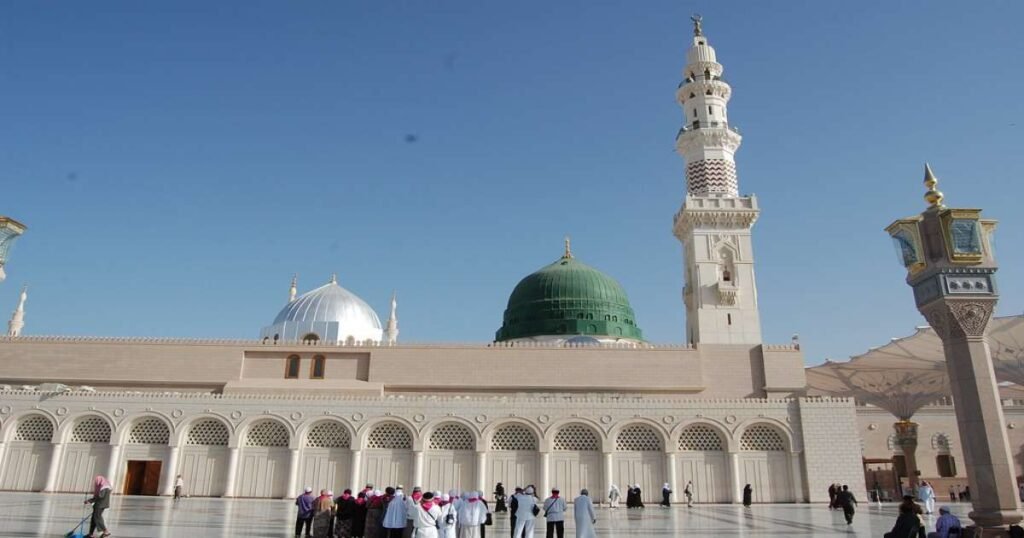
142,477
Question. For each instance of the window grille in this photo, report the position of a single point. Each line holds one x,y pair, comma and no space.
328,434
640,438
208,432
762,437
390,435
892,445
940,442
149,431
700,437
35,428
91,430
270,433
452,437
513,437
576,437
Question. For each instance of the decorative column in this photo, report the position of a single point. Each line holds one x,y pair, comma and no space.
734,477
798,477
356,472
114,467
229,486
906,439
609,472
3,456
293,473
545,475
51,475
170,471
417,468
673,476
951,267
481,471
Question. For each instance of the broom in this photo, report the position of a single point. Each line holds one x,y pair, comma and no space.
78,531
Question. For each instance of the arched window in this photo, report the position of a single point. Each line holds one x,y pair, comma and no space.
328,434
390,435
514,437
268,433
310,339
762,437
149,431
291,368
640,438
726,275
91,430
318,368
35,428
452,437
276,338
207,432
700,437
266,340
576,437
592,329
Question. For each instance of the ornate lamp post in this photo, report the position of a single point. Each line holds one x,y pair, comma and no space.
10,230
951,268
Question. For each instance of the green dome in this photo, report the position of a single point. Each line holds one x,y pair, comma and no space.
568,298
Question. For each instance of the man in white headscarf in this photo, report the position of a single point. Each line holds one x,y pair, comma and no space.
447,524
583,510
613,496
471,516
526,511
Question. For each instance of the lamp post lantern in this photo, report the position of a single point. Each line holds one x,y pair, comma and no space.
10,230
951,268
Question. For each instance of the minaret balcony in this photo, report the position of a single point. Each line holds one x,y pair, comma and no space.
702,78
706,125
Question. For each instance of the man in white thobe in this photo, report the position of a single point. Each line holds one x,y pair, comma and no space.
448,525
396,516
554,512
613,496
472,515
526,503
425,517
583,510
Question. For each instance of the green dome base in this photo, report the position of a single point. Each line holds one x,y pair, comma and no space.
568,298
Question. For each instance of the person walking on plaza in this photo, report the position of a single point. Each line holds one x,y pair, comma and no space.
748,494
179,486
554,513
395,516
304,517
613,496
927,495
952,494
513,507
832,491
526,511
945,523
472,515
666,494
688,492
100,501
500,501
583,513
846,501
426,517
323,514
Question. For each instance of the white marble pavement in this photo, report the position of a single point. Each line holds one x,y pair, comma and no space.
51,515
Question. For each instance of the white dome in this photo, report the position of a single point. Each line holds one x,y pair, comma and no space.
330,312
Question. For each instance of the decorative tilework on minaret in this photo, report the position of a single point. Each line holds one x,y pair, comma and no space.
714,223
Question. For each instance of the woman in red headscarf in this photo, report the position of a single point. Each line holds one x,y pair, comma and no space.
100,501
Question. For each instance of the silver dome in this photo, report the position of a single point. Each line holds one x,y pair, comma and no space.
329,302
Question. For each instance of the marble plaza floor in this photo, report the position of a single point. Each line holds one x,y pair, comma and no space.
36,514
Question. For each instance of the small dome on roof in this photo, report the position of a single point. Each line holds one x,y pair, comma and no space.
330,313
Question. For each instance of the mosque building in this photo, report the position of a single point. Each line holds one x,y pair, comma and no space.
328,396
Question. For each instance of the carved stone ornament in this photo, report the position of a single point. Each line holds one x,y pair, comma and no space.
959,318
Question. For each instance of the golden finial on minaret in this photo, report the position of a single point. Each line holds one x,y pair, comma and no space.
933,196
568,249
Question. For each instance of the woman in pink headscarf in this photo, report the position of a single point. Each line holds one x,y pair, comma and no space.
100,501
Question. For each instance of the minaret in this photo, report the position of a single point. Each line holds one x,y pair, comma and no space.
391,331
17,322
714,222
294,289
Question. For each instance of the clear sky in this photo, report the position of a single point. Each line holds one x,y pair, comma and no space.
176,162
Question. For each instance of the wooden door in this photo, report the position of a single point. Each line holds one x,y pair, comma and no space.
151,478
133,477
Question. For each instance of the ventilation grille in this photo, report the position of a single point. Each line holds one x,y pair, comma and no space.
700,437
762,437
208,432
514,437
91,430
269,433
35,428
639,438
149,431
390,435
328,434
576,437
452,437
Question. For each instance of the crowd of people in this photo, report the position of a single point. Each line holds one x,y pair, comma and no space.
372,513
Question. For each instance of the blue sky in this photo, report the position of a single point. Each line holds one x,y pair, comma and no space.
176,162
